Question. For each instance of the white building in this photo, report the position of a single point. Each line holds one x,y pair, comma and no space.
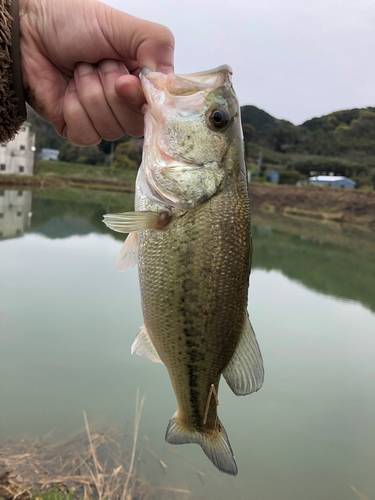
335,181
17,156
15,212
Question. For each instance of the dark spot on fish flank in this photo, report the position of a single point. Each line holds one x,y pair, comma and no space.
179,353
194,394
193,356
192,376
182,299
179,338
190,344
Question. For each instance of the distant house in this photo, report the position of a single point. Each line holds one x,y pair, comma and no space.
17,156
334,181
273,177
48,154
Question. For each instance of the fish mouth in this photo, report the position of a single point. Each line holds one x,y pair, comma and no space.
176,161
189,84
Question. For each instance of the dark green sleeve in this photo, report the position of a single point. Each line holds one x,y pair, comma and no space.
12,102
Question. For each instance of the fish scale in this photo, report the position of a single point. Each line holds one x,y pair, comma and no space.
190,235
198,303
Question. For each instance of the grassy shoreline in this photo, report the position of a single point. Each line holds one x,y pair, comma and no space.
345,206
16,181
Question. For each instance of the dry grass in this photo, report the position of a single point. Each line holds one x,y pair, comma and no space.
97,466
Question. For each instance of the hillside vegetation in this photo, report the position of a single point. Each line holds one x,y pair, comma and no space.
342,142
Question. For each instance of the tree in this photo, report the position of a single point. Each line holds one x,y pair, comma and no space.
126,156
69,153
75,154
91,156
289,177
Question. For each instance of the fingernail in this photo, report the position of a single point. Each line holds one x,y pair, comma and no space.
109,66
165,69
84,69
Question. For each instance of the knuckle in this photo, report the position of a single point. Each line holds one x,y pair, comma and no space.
135,131
91,95
113,136
83,140
164,36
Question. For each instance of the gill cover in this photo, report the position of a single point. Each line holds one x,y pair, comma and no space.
191,121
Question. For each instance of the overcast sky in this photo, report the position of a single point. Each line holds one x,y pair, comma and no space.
293,58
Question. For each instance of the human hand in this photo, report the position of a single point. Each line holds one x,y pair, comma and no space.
80,65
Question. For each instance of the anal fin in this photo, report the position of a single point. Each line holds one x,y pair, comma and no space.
128,256
244,373
143,346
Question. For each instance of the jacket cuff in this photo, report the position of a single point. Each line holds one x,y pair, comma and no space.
12,101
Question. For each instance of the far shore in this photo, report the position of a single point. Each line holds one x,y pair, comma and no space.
339,205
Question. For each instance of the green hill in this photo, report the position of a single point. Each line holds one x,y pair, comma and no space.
335,119
260,120
342,142
346,133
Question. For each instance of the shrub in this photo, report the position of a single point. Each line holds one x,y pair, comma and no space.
289,177
126,156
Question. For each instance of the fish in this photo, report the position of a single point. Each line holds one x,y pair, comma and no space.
190,235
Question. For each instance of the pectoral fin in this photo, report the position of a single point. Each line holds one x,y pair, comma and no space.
143,346
128,256
244,373
128,222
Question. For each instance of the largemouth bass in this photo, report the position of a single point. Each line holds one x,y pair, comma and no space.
190,234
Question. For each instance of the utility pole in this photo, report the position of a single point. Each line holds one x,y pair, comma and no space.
259,163
112,154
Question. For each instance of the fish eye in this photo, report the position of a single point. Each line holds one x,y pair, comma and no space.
219,118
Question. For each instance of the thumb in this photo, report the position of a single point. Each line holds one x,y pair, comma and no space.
147,43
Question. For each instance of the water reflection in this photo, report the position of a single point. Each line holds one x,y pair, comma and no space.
15,213
328,258
68,319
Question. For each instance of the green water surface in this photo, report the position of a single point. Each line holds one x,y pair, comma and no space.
68,319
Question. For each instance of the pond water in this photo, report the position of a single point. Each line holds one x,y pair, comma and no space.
68,319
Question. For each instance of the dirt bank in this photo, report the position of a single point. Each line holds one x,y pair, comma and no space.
355,207
341,205
55,182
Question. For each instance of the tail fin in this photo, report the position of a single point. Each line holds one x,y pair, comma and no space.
217,447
